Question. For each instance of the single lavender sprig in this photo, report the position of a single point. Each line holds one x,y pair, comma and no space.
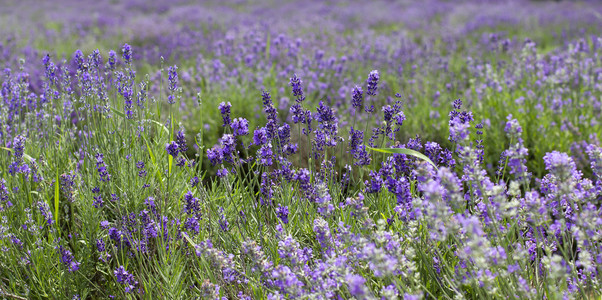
357,97
4,194
224,109
45,211
516,154
173,80
372,82
181,141
101,167
126,51
112,61
271,114
68,260
282,212
19,150
141,171
240,126
295,83
124,277
172,148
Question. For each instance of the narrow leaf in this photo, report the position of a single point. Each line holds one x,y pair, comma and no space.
56,197
160,125
404,151
170,163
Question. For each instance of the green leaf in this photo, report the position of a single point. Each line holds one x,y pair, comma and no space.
56,197
150,152
188,239
121,115
129,120
170,163
404,151
152,156
160,125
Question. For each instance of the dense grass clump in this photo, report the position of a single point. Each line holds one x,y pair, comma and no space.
308,164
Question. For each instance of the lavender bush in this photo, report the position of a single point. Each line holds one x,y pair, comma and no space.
324,155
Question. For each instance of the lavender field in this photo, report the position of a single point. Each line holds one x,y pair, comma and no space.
300,149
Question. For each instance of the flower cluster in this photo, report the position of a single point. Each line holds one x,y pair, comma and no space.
122,276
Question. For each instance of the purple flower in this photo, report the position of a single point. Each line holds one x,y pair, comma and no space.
356,285
224,109
362,156
223,222
100,245
271,114
223,172
4,202
50,69
104,224
264,155
101,167
68,260
260,136
45,211
172,148
282,212
17,242
457,104
141,171
172,77
240,126
303,177
356,138
407,296
322,231
295,83
561,165
95,58
127,53
122,276
375,184
191,204
388,113
192,224
513,128
19,149
194,181
98,202
357,97
372,82
298,114
151,205
516,154
458,130
181,141
215,155
112,60
78,57
228,146
595,156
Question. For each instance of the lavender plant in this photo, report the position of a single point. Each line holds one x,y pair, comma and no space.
357,189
